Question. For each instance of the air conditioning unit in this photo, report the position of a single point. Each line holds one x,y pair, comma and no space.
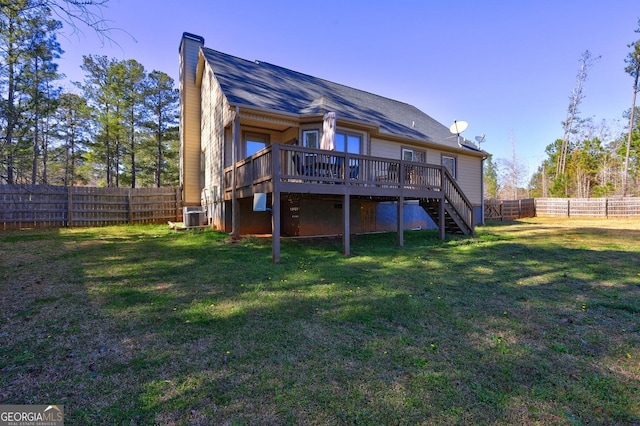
193,216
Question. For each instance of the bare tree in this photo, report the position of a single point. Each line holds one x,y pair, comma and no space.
633,69
586,62
512,171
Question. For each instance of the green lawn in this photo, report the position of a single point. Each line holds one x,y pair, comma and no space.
531,322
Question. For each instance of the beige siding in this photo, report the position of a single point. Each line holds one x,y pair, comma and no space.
189,122
470,178
215,112
468,167
385,149
468,170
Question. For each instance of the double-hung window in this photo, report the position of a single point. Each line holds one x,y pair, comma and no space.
311,139
410,154
348,142
449,163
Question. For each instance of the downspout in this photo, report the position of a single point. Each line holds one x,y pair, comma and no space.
482,188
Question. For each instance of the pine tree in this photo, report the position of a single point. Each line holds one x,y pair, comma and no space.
40,72
28,49
14,39
161,102
72,131
104,93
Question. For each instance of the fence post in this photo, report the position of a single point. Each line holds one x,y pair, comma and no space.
69,206
178,204
568,207
606,208
129,211
519,208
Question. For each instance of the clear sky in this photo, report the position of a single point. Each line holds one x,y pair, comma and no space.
507,67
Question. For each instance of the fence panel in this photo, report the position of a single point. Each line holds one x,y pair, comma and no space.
624,207
588,207
510,209
552,207
32,206
528,207
562,207
29,206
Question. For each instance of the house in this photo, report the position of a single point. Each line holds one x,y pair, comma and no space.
270,150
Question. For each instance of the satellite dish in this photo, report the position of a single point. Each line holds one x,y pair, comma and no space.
458,127
480,139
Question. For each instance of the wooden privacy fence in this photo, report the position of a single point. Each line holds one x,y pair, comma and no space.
588,207
562,207
509,209
44,206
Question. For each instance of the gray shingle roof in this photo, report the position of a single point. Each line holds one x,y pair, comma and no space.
266,86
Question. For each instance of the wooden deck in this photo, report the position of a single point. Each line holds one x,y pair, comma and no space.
280,169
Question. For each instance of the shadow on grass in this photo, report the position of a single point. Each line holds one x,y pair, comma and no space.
195,330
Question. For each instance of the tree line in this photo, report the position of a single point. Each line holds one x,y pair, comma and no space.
118,127
590,160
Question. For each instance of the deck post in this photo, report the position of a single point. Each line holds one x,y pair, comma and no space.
442,222
275,226
275,204
346,225
235,204
401,221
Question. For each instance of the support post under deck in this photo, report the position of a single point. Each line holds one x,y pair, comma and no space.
346,225
275,209
401,221
442,222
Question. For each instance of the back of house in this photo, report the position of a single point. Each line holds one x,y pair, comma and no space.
335,159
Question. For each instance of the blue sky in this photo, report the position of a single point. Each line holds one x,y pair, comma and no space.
505,67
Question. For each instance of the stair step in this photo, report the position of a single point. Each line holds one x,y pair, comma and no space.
431,206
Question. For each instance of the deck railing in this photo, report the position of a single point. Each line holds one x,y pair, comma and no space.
457,200
300,165
307,165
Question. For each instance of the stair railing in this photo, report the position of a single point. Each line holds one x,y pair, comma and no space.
457,200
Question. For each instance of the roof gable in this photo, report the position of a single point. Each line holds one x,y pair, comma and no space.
270,87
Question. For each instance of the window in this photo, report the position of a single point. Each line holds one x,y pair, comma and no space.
310,139
348,142
411,154
254,142
450,164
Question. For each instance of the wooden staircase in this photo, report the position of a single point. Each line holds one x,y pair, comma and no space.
453,222
458,211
